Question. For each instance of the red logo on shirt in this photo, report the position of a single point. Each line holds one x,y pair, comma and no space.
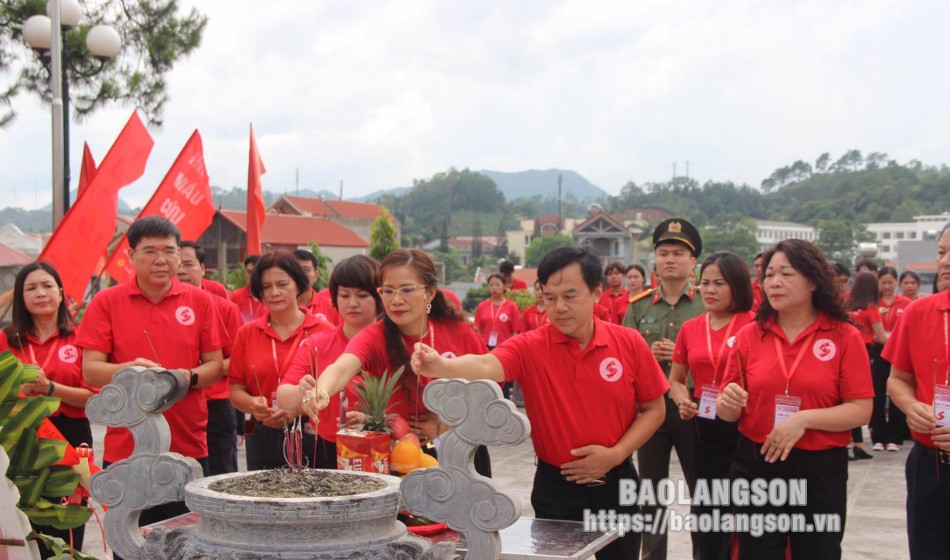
611,369
449,355
824,349
68,354
503,317
185,315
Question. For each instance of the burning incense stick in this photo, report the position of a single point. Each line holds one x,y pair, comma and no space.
152,346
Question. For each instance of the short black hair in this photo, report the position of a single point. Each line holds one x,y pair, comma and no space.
151,226
508,268
871,265
284,261
251,259
909,274
562,257
842,270
358,271
305,255
200,252
887,271
638,268
616,265
736,274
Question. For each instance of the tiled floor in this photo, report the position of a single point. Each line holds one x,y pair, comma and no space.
875,527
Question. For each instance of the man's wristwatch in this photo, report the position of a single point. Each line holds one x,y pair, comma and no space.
194,378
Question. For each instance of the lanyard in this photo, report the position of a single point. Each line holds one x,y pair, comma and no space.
715,358
290,355
48,356
781,358
946,348
493,314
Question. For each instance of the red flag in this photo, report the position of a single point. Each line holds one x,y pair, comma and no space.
87,170
84,234
184,197
255,198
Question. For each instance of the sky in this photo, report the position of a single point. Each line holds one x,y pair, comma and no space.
376,94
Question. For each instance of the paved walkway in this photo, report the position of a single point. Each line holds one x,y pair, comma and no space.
875,528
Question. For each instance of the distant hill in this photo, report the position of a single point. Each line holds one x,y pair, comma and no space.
523,184
74,194
526,184
236,199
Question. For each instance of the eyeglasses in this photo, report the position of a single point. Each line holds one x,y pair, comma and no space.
404,292
152,254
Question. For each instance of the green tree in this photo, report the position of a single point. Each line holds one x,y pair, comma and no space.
155,36
540,246
836,238
454,271
731,232
323,266
382,238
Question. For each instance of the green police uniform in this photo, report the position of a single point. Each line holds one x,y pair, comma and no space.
656,319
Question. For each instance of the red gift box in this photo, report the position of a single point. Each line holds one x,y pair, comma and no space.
358,450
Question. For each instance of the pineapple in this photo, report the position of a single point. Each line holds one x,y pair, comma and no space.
375,393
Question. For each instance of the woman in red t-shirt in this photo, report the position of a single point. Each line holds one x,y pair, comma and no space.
798,381
497,318
910,285
702,350
42,332
261,356
863,310
888,423
415,310
534,315
353,294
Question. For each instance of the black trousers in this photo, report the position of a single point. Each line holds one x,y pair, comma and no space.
77,432
653,461
222,447
265,448
553,497
887,421
325,454
928,504
715,446
164,511
826,473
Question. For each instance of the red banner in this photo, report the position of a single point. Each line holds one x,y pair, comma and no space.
255,198
183,197
87,170
85,232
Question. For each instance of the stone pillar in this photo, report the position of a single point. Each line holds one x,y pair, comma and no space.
152,475
453,492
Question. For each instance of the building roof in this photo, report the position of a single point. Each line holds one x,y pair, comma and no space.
287,229
605,215
11,257
787,225
334,208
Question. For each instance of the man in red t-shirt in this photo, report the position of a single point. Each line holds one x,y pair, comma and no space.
250,307
615,296
316,303
592,391
153,320
222,419
919,384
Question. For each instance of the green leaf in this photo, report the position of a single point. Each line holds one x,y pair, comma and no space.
23,454
61,483
50,451
10,368
30,416
57,516
31,488
59,547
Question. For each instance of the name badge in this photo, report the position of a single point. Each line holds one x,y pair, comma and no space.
785,406
493,339
273,400
707,402
942,405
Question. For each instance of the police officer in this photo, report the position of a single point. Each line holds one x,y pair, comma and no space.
658,315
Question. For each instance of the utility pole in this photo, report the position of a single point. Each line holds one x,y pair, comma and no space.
687,169
674,170
560,222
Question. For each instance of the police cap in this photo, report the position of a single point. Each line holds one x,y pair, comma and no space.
680,231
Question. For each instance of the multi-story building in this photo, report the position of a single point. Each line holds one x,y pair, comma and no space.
889,235
768,233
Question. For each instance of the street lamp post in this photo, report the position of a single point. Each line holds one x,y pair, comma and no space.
44,35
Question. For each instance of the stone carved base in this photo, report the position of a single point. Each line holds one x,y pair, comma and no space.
183,544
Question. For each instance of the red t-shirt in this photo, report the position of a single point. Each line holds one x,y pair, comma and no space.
231,316
321,307
518,284
758,294
59,358
894,311
214,288
260,358
449,338
864,319
533,318
616,304
834,367
576,397
321,350
918,341
692,349
181,326
450,295
602,313
504,320
251,308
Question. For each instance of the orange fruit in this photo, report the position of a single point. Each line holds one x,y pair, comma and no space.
405,456
427,461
